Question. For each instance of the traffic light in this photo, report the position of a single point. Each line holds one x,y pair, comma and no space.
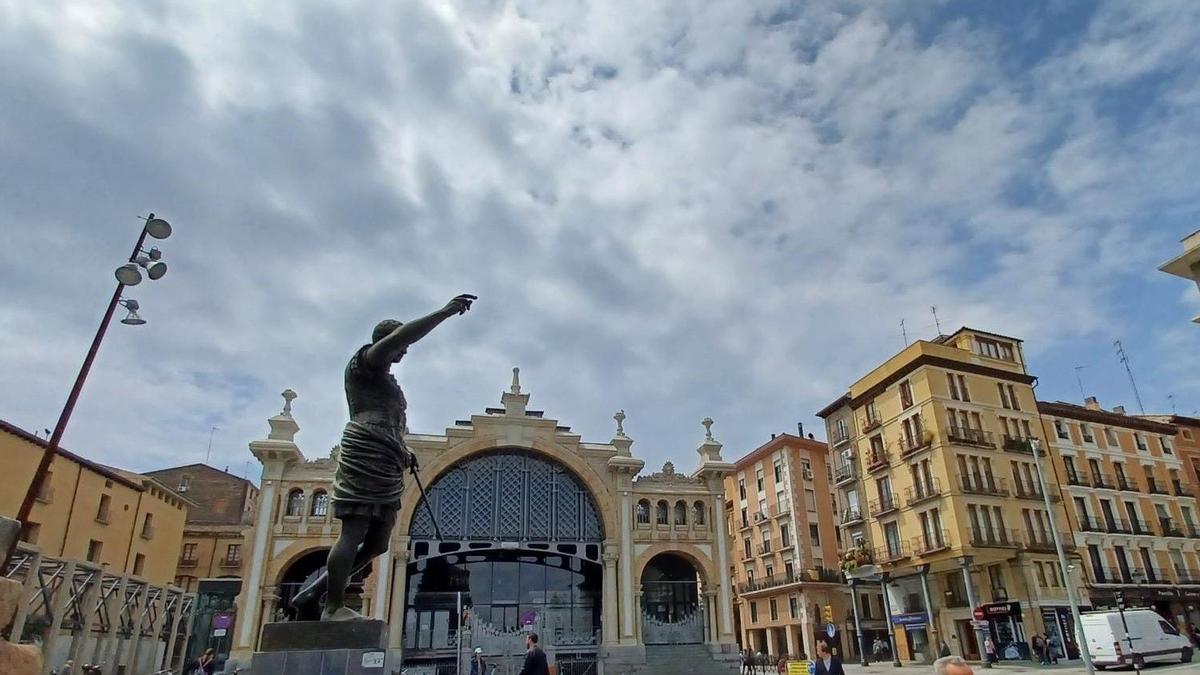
828,613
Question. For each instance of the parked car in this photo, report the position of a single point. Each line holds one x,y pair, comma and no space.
1151,638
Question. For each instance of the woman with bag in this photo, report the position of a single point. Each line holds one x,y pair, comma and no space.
207,663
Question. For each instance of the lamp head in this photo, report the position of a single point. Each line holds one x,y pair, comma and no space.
157,227
155,268
129,274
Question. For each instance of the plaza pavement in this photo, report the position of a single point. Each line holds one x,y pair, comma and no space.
1022,667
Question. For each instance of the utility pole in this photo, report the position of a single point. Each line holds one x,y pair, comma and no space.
1125,360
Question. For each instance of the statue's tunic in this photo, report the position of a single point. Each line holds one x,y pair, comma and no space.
370,473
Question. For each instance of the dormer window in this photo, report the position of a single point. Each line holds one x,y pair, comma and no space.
184,484
994,349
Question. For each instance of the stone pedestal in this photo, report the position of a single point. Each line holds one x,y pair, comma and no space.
323,648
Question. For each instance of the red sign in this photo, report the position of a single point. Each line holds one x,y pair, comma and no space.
979,613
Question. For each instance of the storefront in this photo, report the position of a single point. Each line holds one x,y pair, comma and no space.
1060,631
916,646
1007,630
1178,605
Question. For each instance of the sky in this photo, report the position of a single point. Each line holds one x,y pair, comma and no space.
679,208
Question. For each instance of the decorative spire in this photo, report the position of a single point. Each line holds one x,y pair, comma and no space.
288,397
516,383
513,400
707,422
620,418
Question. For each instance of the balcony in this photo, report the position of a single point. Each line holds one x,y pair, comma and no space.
780,510
883,505
871,423
1154,575
764,548
983,485
972,437
925,545
1040,543
1076,479
1154,488
1018,444
1140,526
1032,492
760,517
878,459
998,538
1169,528
890,554
1112,575
1192,530
1117,526
844,473
1091,524
818,574
1180,489
188,562
231,562
852,515
1188,577
1100,480
920,493
1124,483
909,446
839,438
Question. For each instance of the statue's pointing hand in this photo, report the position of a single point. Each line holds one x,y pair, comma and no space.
460,304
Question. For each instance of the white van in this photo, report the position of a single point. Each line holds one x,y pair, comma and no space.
1154,639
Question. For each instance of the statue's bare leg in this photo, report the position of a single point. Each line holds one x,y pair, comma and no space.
366,539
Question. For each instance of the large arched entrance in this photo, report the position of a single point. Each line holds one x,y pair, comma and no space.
520,553
671,611
303,571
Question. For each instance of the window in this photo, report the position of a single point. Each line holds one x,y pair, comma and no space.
45,492
778,472
814,533
185,483
872,412
1060,430
1140,442
1166,445
1069,465
774,610
746,548
742,488
1041,574
642,512
864,603
745,520
753,612
139,564
789,571
295,503
662,513
785,535
906,394
758,479
30,531
698,513
1110,437
994,349
996,580
94,550
1187,434
148,526
320,504
189,553
958,387
1008,396
810,499
233,553
102,509
841,431
681,510
1119,470
891,534
793,607
1086,431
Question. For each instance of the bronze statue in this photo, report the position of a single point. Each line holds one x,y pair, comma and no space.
370,469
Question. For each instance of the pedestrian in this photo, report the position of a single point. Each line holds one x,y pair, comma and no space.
65,670
535,658
1194,634
989,648
1038,646
943,649
747,662
1053,649
781,667
478,665
878,648
952,665
827,663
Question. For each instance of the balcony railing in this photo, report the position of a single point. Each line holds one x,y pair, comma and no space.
1180,489
1077,479
1140,526
843,473
852,514
1169,528
887,554
1117,526
1023,491
910,445
1187,576
997,538
878,459
231,562
975,437
1153,487
818,574
1101,480
764,548
883,505
1155,575
1040,543
931,543
1112,575
922,492
1192,530
871,423
760,516
1123,483
983,485
188,562
1091,524
839,438
1019,444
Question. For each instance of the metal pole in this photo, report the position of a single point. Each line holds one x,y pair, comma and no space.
979,635
1080,640
887,617
935,633
35,486
862,646
459,632
1129,638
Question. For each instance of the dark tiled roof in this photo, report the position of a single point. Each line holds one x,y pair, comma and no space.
94,466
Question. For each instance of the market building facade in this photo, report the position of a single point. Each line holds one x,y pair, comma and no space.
529,528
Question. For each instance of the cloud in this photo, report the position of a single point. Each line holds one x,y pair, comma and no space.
676,208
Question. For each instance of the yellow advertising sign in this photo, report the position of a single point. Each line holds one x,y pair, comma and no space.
799,667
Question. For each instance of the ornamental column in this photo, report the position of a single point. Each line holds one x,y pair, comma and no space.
399,595
713,470
611,556
622,467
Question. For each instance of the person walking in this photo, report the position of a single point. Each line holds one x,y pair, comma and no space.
478,665
535,658
943,649
827,663
1053,647
989,648
1037,646
747,662
878,648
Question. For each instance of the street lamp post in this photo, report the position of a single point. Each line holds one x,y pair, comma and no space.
1080,640
862,646
128,274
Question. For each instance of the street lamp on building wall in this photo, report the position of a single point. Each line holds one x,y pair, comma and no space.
128,274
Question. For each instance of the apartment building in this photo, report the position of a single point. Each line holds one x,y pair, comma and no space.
124,522
936,482
1131,500
216,525
785,548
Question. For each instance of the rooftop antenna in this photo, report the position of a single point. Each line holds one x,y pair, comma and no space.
933,308
1125,360
1079,380
1171,398
904,332
208,453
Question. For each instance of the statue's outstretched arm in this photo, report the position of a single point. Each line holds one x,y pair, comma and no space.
388,348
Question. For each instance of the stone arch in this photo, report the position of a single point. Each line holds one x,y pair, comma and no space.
587,475
706,568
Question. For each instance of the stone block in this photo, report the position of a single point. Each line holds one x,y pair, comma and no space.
10,599
20,659
9,531
320,662
295,636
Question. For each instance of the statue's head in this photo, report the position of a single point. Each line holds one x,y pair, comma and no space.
385,328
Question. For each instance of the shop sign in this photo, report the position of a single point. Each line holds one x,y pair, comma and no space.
913,619
1000,610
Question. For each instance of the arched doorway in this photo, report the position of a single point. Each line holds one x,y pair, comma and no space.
671,611
303,571
520,552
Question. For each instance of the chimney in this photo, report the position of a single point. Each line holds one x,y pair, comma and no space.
772,436
1119,409
1091,403
800,429
811,438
